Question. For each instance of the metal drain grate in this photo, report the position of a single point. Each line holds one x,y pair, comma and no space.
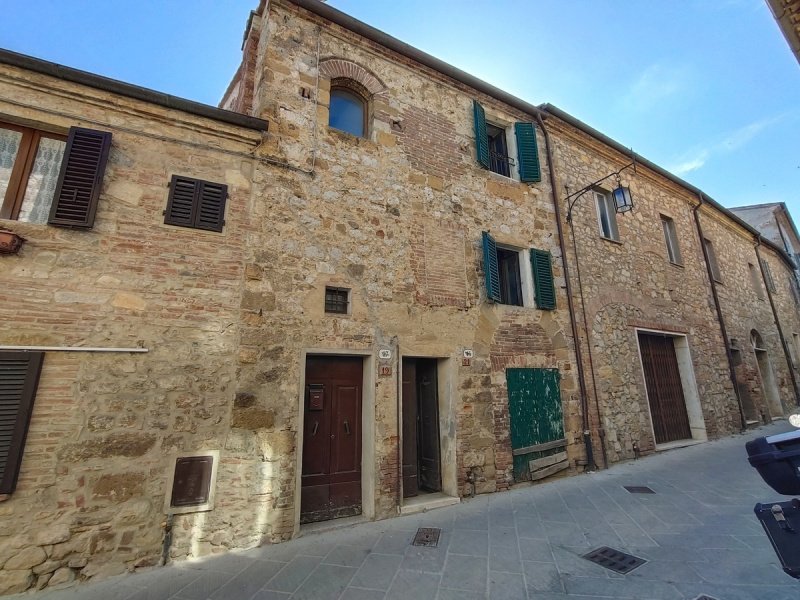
427,536
638,489
614,559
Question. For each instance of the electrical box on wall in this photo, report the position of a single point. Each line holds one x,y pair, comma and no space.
191,481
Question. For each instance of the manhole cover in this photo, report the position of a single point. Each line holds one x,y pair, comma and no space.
638,489
705,597
427,536
614,560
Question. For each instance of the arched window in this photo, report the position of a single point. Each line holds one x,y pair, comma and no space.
348,111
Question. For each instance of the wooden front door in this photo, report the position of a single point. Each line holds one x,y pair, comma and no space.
664,388
536,423
421,450
331,478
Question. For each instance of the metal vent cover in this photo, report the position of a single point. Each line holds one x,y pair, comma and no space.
615,560
638,489
427,536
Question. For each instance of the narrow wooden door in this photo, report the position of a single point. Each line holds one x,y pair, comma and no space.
664,388
331,478
430,470
410,403
537,422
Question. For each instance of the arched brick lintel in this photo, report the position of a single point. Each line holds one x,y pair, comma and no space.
334,68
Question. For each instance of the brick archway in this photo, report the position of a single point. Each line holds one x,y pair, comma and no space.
335,68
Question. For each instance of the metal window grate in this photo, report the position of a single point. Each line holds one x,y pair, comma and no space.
614,560
638,489
337,300
427,536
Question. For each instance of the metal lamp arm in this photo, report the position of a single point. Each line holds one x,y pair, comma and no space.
575,196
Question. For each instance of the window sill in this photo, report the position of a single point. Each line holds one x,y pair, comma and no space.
501,177
679,265
355,140
612,240
719,281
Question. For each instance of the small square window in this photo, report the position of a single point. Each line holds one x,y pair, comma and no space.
337,300
607,216
671,239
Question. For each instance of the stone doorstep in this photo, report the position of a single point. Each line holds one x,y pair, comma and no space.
427,502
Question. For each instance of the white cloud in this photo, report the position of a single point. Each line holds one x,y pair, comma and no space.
735,140
654,85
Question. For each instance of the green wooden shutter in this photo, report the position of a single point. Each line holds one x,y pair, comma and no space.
19,377
490,268
80,178
481,137
542,264
527,152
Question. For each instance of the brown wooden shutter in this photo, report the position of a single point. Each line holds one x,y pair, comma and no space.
19,377
80,179
196,203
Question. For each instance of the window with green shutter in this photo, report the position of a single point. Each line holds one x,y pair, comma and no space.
545,291
493,147
19,377
491,269
527,152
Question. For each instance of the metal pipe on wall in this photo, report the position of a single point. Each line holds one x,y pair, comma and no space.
720,319
587,435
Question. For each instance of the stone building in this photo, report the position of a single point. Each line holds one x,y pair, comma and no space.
787,15
350,291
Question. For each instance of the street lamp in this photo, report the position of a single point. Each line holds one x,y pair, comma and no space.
623,199
623,202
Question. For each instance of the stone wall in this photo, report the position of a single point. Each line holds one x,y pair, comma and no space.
397,218
630,285
92,482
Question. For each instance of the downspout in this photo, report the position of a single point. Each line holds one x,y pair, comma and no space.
723,330
587,435
786,354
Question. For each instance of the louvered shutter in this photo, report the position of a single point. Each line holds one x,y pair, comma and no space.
80,179
481,137
19,376
527,152
542,265
490,268
196,203
211,206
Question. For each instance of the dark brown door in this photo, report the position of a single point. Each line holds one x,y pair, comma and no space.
421,455
410,469
430,471
664,388
331,479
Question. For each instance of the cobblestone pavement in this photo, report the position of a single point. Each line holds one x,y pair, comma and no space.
697,532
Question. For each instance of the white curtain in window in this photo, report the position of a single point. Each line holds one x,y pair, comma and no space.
42,181
9,146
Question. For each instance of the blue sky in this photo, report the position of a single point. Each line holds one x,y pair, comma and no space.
708,89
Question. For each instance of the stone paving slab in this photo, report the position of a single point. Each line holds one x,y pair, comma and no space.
697,532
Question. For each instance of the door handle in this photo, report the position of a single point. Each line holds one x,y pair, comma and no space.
316,426
346,427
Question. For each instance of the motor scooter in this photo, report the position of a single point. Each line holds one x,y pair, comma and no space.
777,459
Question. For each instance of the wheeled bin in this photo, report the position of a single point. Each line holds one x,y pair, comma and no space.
777,459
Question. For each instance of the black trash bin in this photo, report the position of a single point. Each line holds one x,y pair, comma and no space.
777,458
